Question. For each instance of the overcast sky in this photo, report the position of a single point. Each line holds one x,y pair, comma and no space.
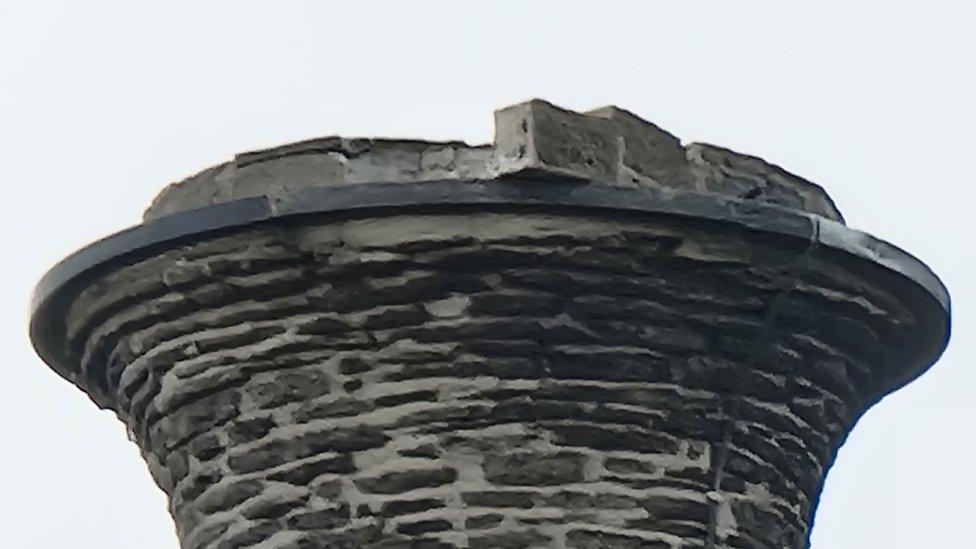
104,102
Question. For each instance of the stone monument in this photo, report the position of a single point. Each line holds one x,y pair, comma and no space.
584,335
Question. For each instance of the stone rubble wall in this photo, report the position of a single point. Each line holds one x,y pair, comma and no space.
488,380
534,139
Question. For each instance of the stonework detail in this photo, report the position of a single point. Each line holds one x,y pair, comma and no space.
441,379
532,140
496,377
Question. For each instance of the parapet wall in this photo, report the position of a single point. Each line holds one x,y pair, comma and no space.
534,140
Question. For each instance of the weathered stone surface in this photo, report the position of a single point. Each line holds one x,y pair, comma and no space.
399,482
228,495
534,139
534,469
560,381
539,376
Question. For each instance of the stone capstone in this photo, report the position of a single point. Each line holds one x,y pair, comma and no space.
596,395
534,140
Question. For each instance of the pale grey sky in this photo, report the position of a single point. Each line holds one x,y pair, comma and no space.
103,102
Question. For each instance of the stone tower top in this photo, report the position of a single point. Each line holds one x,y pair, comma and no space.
535,139
583,335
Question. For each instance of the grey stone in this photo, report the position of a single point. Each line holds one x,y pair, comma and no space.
206,447
404,507
273,508
423,527
226,495
518,499
325,519
306,472
329,490
252,535
335,408
245,430
534,469
288,386
483,521
305,445
629,466
535,139
586,335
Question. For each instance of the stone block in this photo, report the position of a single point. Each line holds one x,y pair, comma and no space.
534,140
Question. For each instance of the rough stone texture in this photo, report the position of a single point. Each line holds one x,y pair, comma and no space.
497,377
489,380
534,139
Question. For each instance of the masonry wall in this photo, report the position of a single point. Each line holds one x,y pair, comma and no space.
489,379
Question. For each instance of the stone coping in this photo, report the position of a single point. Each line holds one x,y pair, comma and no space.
534,140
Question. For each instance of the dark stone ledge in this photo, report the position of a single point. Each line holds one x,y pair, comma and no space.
829,239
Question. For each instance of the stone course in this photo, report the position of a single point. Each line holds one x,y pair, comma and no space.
492,378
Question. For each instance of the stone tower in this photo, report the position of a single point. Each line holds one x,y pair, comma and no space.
584,335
